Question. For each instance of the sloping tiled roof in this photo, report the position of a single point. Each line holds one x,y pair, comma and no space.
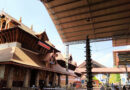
62,58
27,58
93,62
28,30
21,25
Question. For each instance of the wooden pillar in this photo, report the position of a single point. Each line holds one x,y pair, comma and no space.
47,79
54,79
59,80
10,78
37,79
108,75
27,78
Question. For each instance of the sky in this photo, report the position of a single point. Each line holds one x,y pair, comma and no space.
34,13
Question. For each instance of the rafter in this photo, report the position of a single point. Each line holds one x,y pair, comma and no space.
99,28
84,6
97,39
120,30
113,13
92,11
111,20
63,4
1,38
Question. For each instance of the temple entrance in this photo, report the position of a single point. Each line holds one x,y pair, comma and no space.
33,77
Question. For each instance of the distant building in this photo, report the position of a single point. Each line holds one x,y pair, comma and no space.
122,59
72,65
82,70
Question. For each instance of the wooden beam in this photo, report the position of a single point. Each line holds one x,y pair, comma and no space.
98,30
96,10
21,37
97,39
62,4
17,33
105,21
102,15
84,6
1,38
7,36
9,33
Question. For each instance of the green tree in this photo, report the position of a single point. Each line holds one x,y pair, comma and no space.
95,78
114,78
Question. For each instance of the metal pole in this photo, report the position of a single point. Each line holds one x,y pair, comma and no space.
67,57
88,65
108,75
126,72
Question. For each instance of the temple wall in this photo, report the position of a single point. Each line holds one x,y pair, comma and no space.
12,44
42,75
18,75
71,80
2,71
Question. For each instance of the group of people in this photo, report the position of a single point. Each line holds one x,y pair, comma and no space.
115,87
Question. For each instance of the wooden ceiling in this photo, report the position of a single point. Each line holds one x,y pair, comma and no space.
121,41
99,19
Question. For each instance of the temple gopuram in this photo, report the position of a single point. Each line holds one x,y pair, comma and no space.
28,59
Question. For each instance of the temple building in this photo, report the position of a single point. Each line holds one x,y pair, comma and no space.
72,65
27,58
122,60
81,69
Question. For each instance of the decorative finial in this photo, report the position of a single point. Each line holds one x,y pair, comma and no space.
31,27
20,19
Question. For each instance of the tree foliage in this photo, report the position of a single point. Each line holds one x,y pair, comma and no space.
114,78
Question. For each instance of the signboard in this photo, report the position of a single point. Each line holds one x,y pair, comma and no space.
43,45
82,81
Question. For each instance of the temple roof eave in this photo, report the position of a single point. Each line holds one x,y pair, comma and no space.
22,57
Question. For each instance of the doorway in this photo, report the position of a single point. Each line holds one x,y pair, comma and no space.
33,77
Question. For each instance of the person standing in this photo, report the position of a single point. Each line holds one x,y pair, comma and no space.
112,86
124,88
102,88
